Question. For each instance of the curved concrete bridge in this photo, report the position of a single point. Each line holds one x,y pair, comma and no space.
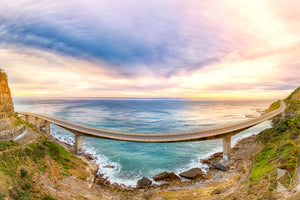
216,132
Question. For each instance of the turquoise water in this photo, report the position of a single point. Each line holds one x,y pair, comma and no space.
135,160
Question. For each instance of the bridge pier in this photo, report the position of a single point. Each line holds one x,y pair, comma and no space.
78,144
36,122
27,118
227,148
47,127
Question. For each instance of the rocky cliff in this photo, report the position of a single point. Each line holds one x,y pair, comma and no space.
6,103
8,128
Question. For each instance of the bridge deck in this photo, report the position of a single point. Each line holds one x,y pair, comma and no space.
205,134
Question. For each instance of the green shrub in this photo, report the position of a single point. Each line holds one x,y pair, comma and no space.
25,185
23,173
4,145
59,154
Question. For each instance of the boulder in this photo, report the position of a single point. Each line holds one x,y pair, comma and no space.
220,166
89,156
192,173
216,191
144,182
166,176
211,158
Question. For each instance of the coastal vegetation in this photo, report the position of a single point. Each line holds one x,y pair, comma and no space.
22,165
281,148
294,95
273,106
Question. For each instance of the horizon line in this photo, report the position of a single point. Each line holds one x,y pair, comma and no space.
142,98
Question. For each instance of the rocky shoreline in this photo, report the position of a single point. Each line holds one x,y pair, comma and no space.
166,179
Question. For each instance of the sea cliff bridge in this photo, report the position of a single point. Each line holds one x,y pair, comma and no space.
217,132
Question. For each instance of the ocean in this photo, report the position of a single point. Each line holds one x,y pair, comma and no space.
131,160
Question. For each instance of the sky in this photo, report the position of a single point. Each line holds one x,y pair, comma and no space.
151,48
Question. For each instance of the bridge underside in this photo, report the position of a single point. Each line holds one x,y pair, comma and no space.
45,126
226,141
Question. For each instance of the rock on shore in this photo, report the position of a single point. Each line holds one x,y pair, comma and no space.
144,182
192,173
166,176
220,166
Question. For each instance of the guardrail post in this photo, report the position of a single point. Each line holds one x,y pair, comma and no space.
226,148
47,127
78,144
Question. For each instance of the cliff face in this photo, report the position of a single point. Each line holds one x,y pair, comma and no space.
6,103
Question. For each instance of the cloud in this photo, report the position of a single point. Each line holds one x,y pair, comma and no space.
68,76
171,47
128,35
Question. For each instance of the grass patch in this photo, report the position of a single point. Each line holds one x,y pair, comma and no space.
18,121
60,155
282,147
263,162
282,143
273,106
33,154
4,145
20,164
293,105
42,168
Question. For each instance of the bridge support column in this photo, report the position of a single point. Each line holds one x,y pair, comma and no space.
226,148
36,122
282,115
47,127
78,144
27,118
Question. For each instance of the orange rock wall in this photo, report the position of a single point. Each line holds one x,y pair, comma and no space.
6,103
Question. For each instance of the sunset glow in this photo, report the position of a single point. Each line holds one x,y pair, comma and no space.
134,48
